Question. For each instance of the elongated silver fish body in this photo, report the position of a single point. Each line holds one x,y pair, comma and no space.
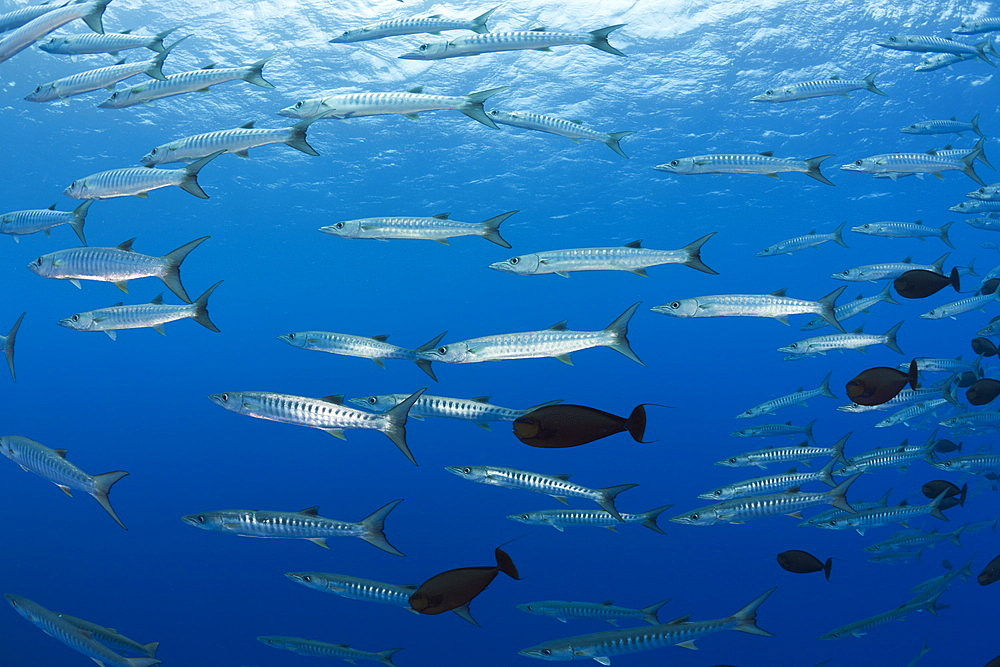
152,315
775,305
435,228
933,44
368,347
318,649
888,270
862,627
18,17
138,181
795,398
560,519
905,230
976,26
774,430
765,164
858,506
821,88
897,164
900,458
477,410
987,193
771,483
411,26
238,140
769,455
983,419
974,463
949,126
96,79
186,82
603,611
18,39
851,308
18,223
918,540
942,60
112,638
910,413
977,207
883,516
108,42
512,40
855,340
955,308
810,240
571,129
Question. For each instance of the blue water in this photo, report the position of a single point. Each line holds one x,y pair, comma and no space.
139,404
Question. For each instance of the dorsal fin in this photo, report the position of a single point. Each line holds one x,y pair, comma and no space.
127,245
780,292
859,329
416,89
441,216
634,244
952,118
607,603
336,399
51,208
918,222
811,232
381,337
767,153
540,28
481,399
907,260
61,452
791,471
794,489
310,511
158,299
577,121
115,305
680,619
208,66
835,76
558,326
564,478
247,126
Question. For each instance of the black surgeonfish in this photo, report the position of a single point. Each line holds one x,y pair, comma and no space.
935,487
879,385
966,379
984,347
454,588
990,286
945,446
983,391
568,425
802,562
920,283
990,573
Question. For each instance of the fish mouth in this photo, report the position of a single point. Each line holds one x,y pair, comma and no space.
287,113
498,266
850,167
66,322
414,55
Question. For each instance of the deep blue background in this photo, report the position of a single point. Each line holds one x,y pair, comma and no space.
139,404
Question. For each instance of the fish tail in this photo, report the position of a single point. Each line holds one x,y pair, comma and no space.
255,74
649,519
94,17
297,135
982,152
385,657
692,255
479,23
374,524
649,613
747,616
151,648
79,218
613,139
967,167
8,348
397,423
886,295
636,423
425,364
201,309
838,447
607,498
154,70
826,567
619,332
505,564
838,235
975,125
890,338
825,473
172,273
190,181
955,535
809,431
870,84
463,613
980,50
838,494
955,279
944,234
104,482
827,305
141,662
473,106
950,396
599,39
491,229
961,499
824,387
935,506
912,376
157,44
938,265
812,168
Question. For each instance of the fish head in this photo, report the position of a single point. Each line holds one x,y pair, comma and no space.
748,414
471,473
679,308
524,265
684,165
867,228
867,165
718,494
915,128
158,155
796,348
535,609
79,322
53,44
968,28
734,461
773,95
981,193
306,108
25,607
431,51
504,116
769,251
375,403
849,275
78,189
452,353
205,520
42,93
315,580
351,35
345,229
557,651
527,518
47,266
894,42
963,207
278,642
706,516
297,338
232,401
935,314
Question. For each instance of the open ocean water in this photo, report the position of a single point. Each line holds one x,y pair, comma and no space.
140,403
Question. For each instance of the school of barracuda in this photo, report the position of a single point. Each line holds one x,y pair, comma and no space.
935,404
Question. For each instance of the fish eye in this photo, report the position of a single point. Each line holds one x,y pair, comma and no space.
494,113
38,262
444,350
298,105
694,516
372,400
546,651
719,492
675,304
153,152
200,518
291,336
674,163
770,92
514,260
225,398
307,578
338,225
892,39
467,470
75,318
858,162
38,89
423,47
525,516
865,226
732,460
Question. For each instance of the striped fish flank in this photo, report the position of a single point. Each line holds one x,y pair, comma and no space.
603,611
821,88
413,25
571,129
376,348
138,181
795,398
18,17
764,164
318,649
437,228
801,453
895,165
847,310
18,39
513,40
560,519
108,42
888,271
776,305
18,223
113,639
237,140
772,483
862,627
476,410
810,240
934,44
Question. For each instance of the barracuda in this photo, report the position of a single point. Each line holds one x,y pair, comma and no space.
852,308
856,340
435,228
821,88
919,540
560,519
571,129
630,257
116,265
138,181
837,513
883,516
304,525
7,345
199,80
374,347
799,397
976,464
905,230
862,627
908,414
957,153
366,590
237,140
433,24
977,26
897,164
984,419
19,17
764,164
112,638
988,193
108,42
319,649
810,240
772,430
601,646
476,410
950,126
557,486
538,39
889,270
901,457
51,464
942,365
942,60
605,611
933,44
775,305
956,308
18,223
556,341
976,207
771,483
801,452
327,414
20,38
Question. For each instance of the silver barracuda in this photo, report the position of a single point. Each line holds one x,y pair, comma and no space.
561,519
561,610
980,420
888,270
821,88
304,525
950,126
557,486
860,305
798,397
836,513
571,129
942,60
435,228
327,414
7,345
912,412
905,230
772,483
810,240
883,516
366,590
108,42
18,223
801,453
630,257
199,80
917,541
18,39
775,305
538,39
989,223
408,104
880,459
976,207
138,181
791,503
976,464
51,464
773,430
894,557
18,17
152,315
897,164
988,193
237,140
78,639
112,638
602,646
376,348
318,649
764,164
977,26
478,411
414,25
862,627
932,44
956,308
116,265
957,153
941,365
556,341
939,584
856,340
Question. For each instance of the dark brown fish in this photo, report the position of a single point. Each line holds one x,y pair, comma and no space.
945,446
801,562
990,573
919,283
995,662
936,487
879,385
990,286
568,425
983,391
984,347
966,379
454,588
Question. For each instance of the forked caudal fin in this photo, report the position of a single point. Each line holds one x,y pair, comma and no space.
614,138
607,498
636,422
297,135
473,106
423,363
396,431
838,448
505,564
255,75
201,309
827,305
649,518
812,169
171,276
747,616
102,487
79,218
599,39
838,494
8,346
619,333
649,613
870,84
693,255
189,182
890,338
374,524
385,657
479,23
491,228
94,17
824,387
967,167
